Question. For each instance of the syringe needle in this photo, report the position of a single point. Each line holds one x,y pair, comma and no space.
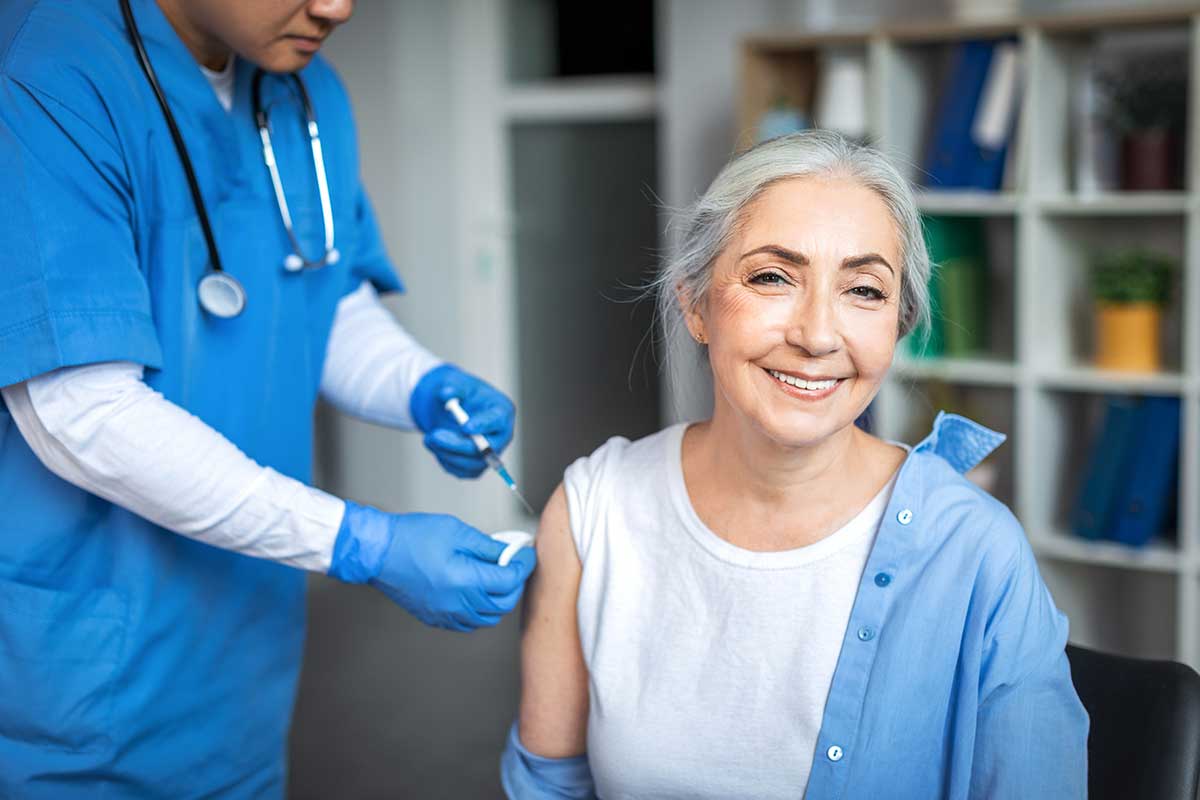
489,455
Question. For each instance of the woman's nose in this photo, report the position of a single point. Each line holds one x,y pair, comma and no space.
813,327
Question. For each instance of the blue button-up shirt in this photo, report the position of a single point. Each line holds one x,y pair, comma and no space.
953,679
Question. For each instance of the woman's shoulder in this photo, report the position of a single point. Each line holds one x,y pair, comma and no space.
592,481
972,536
620,456
957,521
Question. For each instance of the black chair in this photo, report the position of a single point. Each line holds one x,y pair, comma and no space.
1145,735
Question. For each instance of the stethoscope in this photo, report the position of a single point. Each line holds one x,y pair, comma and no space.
221,294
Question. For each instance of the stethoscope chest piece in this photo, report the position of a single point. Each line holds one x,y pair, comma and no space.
221,295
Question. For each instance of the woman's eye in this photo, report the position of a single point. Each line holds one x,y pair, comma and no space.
868,293
768,279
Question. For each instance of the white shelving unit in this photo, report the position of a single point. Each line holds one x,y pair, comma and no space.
1039,387
599,99
545,163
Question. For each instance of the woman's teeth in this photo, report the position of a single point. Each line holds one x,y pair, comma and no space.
812,386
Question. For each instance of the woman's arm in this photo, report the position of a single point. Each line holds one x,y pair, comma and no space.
1031,729
554,679
546,752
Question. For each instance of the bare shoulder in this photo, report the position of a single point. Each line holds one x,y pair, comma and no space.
554,699
557,558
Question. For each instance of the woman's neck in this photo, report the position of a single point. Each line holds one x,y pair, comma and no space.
762,495
755,465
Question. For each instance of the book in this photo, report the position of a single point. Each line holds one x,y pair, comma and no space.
958,286
975,119
995,118
927,342
1092,514
948,154
1147,492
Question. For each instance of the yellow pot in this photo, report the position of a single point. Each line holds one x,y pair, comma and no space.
1127,336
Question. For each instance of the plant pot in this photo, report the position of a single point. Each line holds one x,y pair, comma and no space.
1127,336
1152,160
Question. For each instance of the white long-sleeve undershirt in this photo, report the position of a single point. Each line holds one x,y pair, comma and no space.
102,428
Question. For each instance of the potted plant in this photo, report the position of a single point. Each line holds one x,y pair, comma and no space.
1130,288
1146,106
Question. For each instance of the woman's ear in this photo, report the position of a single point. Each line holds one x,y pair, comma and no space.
693,315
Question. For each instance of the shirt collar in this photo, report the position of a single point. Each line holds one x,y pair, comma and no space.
958,440
190,95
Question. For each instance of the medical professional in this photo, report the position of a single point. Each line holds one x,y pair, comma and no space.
169,312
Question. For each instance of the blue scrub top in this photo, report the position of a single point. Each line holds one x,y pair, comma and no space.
133,661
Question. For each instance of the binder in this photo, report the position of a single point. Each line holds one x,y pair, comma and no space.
957,246
948,158
1148,491
993,126
1112,448
974,125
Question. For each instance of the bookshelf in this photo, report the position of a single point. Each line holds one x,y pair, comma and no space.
1035,382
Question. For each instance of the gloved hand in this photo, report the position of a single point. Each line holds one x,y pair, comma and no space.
436,567
491,412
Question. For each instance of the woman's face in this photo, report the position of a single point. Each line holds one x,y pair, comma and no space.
803,309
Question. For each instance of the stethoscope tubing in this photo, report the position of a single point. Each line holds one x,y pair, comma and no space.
218,292
180,148
297,260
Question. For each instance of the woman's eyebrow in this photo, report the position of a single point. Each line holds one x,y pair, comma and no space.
799,259
855,262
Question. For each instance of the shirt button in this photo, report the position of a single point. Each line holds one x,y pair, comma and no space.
904,517
866,633
834,753
882,579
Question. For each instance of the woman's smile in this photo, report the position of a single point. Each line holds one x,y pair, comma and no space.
803,387
804,296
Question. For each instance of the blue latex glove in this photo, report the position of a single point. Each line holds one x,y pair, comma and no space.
491,412
435,566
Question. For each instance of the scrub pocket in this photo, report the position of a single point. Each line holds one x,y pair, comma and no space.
59,653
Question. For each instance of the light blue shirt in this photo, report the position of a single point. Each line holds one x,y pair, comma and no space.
953,680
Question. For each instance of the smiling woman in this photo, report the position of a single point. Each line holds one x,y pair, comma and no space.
773,602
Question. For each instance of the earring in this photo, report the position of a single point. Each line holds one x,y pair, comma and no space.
700,338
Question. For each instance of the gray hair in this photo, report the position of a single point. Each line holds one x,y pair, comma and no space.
708,224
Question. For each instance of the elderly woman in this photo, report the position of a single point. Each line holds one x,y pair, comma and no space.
774,603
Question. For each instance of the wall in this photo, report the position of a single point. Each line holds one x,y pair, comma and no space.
387,707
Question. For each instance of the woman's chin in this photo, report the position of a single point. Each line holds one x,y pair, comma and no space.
797,431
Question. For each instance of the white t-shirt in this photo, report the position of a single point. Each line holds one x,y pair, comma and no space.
709,664
222,82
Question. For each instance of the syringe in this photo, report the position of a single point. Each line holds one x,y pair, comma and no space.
485,449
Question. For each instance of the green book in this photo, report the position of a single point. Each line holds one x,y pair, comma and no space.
958,286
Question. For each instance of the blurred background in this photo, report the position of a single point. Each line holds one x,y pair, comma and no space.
522,156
